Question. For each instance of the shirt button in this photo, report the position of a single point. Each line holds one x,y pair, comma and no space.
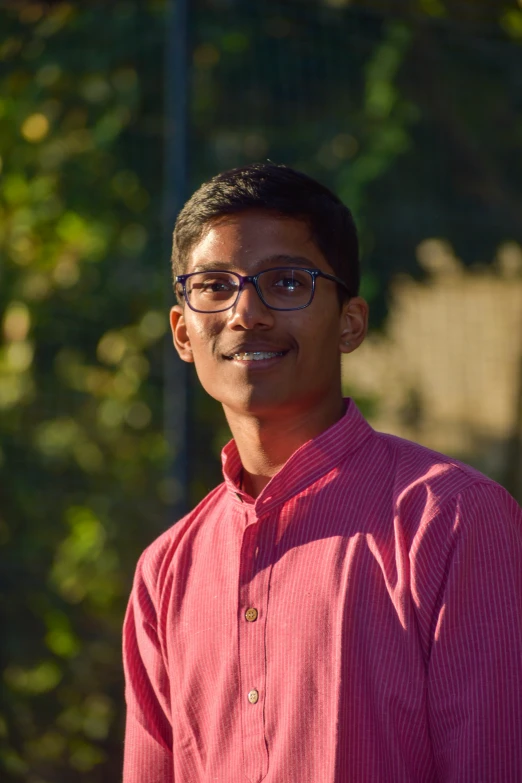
253,696
251,615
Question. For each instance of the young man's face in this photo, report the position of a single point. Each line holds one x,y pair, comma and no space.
306,370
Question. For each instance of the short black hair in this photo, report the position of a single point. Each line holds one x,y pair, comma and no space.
285,192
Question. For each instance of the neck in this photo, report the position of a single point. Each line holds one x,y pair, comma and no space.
266,442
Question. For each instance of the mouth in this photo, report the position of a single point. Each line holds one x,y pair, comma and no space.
254,356
257,357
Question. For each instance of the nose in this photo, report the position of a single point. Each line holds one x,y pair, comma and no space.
249,311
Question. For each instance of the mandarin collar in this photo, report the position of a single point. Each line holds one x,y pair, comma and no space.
307,464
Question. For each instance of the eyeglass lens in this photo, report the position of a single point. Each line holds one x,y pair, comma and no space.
280,289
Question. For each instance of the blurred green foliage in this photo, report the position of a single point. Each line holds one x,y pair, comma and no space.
83,321
411,111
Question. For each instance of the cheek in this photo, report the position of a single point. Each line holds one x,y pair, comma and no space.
320,333
202,332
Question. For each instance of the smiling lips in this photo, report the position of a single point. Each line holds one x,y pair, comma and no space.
254,356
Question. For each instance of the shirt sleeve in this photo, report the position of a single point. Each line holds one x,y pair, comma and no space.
148,732
475,666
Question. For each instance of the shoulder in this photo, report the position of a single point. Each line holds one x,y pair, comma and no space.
428,492
156,558
418,470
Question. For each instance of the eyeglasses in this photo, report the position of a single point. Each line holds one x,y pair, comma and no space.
281,288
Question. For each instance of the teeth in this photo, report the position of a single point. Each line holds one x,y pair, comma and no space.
256,355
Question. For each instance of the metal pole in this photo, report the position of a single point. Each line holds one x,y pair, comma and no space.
176,394
512,478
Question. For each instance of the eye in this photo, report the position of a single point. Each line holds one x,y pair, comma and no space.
289,282
214,284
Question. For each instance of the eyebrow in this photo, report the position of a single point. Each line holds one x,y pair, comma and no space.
278,260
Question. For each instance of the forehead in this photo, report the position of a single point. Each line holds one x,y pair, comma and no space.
252,240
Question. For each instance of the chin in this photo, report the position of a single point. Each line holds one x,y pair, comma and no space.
251,400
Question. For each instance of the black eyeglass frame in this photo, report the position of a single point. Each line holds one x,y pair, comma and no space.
243,279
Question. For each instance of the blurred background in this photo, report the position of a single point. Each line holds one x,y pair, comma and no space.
110,115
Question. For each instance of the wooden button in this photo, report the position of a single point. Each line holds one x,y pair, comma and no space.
251,615
253,696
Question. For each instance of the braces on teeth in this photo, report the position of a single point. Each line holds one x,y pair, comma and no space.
256,355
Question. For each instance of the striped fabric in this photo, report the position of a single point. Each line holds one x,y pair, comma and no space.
386,641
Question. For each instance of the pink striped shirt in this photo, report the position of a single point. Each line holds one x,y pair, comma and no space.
386,641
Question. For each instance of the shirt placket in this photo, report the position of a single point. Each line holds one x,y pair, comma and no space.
254,580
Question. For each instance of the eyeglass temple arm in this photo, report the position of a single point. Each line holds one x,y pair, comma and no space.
335,279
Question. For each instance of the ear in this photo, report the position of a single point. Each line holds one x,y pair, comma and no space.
180,336
353,324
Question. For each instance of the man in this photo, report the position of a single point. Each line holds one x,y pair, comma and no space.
346,607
